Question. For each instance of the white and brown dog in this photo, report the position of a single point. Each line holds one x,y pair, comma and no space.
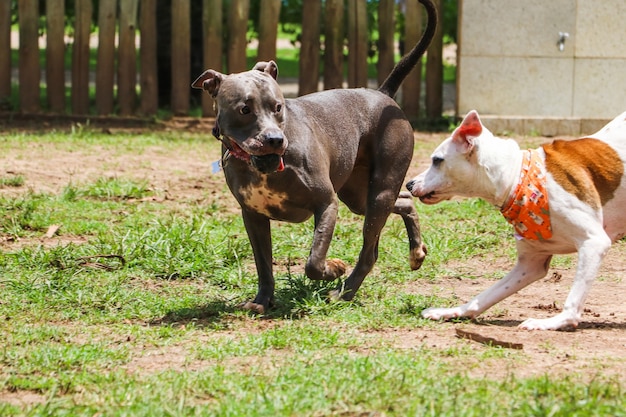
564,197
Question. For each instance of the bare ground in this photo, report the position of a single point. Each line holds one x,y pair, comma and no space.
598,346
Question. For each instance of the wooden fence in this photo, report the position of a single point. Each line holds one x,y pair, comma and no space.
127,81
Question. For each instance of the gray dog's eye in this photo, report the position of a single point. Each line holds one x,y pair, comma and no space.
244,110
279,107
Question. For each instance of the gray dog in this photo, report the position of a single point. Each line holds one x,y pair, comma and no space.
290,159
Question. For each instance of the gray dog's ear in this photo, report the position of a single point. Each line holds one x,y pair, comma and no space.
270,67
209,81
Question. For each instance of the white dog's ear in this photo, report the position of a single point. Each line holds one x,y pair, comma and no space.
469,129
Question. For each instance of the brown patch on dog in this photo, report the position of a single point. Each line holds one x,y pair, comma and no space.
588,168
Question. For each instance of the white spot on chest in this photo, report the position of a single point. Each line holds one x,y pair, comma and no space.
262,199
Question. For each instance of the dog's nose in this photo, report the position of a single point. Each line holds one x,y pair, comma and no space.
410,184
274,139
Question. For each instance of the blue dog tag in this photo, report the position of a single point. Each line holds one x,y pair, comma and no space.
216,167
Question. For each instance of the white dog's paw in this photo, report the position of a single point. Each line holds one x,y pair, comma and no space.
442,313
558,322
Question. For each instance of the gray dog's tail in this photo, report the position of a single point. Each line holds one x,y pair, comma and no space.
392,83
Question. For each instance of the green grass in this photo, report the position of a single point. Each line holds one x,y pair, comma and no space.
159,333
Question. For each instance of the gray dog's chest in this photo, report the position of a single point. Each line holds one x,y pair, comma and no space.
261,198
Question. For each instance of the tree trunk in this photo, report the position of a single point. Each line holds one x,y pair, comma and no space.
411,87
29,71
148,58
434,72
80,57
333,44
357,43
55,55
268,29
237,29
386,30
212,45
310,48
181,56
105,70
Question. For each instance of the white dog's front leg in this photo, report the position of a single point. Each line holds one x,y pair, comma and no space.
529,268
590,257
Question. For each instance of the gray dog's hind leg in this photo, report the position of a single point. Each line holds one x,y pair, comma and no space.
379,207
405,208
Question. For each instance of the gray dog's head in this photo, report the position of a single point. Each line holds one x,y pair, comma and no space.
251,112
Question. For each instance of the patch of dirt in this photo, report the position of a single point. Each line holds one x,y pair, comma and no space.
598,346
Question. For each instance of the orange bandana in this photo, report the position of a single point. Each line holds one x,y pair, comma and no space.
527,208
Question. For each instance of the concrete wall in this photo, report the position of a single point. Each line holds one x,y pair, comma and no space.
512,71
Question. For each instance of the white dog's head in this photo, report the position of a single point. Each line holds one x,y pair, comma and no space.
456,166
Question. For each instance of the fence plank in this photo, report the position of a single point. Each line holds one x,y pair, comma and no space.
237,30
434,72
212,46
5,53
333,44
386,30
268,29
80,57
181,54
105,70
29,71
55,55
127,55
357,43
310,47
412,85
148,58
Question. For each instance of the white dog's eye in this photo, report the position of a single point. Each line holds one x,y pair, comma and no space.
437,161
244,110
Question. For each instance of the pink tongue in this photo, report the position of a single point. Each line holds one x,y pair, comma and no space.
281,165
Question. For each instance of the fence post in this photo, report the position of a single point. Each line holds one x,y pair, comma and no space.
357,43
268,29
55,55
127,55
212,46
29,71
412,85
148,58
237,29
333,44
80,57
310,47
105,70
5,53
181,56
434,72
386,30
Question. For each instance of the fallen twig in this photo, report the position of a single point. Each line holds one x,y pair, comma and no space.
84,261
475,337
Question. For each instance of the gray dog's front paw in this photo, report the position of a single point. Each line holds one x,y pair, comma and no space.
334,269
253,307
